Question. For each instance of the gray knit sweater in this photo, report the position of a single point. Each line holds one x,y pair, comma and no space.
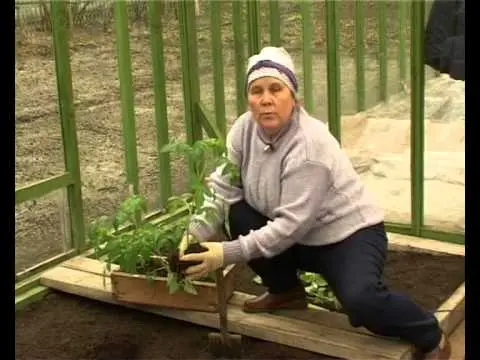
303,182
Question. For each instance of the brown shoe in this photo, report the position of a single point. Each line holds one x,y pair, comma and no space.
294,299
442,352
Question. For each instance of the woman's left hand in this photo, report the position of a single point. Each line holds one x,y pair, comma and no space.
211,260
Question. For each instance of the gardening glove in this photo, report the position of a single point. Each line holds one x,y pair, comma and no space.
186,239
211,260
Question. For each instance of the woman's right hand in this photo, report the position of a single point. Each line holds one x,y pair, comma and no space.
184,244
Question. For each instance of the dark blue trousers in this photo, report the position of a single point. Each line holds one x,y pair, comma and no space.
353,268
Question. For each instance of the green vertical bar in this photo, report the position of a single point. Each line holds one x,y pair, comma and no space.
253,27
67,116
126,93
238,40
191,86
216,33
333,69
307,33
161,117
275,21
402,66
360,53
382,36
417,78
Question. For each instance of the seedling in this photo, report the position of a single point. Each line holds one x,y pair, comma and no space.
152,250
319,292
317,289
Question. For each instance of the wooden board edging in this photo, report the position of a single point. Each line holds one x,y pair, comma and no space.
313,329
283,330
452,310
404,242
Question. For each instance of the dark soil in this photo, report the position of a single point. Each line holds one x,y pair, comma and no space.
180,266
71,327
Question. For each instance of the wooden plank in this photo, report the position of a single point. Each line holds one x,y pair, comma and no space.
88,265
457,339
44,265
313,314
32,295
27,284
398,241
286,331
452,311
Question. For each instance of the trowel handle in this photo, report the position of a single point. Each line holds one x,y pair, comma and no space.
222,302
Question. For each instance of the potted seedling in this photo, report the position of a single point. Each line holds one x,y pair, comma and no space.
147,265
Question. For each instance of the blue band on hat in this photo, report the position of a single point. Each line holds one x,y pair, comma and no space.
279,67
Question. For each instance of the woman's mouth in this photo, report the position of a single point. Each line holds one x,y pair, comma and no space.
267,114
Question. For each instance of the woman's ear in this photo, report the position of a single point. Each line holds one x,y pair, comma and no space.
296,99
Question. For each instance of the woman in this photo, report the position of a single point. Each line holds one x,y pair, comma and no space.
301,205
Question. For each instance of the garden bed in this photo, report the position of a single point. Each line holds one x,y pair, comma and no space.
429,279
71,327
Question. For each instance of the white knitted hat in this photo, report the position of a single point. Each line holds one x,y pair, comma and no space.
275,62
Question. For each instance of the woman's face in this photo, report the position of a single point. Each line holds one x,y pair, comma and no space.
271,103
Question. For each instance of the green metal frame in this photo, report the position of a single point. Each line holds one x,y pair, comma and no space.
333,69
219,87
360,53
199,118
238,40
191,83
126,94
253,27
382,49
275,22
161,121
307,42
67,116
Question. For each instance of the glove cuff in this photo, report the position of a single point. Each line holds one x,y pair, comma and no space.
232,252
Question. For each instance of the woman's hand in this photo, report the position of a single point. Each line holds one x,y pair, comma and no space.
211,260
184,244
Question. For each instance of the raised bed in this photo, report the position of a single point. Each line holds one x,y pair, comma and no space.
434,279
99,331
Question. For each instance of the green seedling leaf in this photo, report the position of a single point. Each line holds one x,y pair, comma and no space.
189,288
176,147
172,283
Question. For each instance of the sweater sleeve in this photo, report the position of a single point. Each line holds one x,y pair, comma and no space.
303,188
224,192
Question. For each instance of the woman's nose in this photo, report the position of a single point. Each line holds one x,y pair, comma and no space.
266,99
